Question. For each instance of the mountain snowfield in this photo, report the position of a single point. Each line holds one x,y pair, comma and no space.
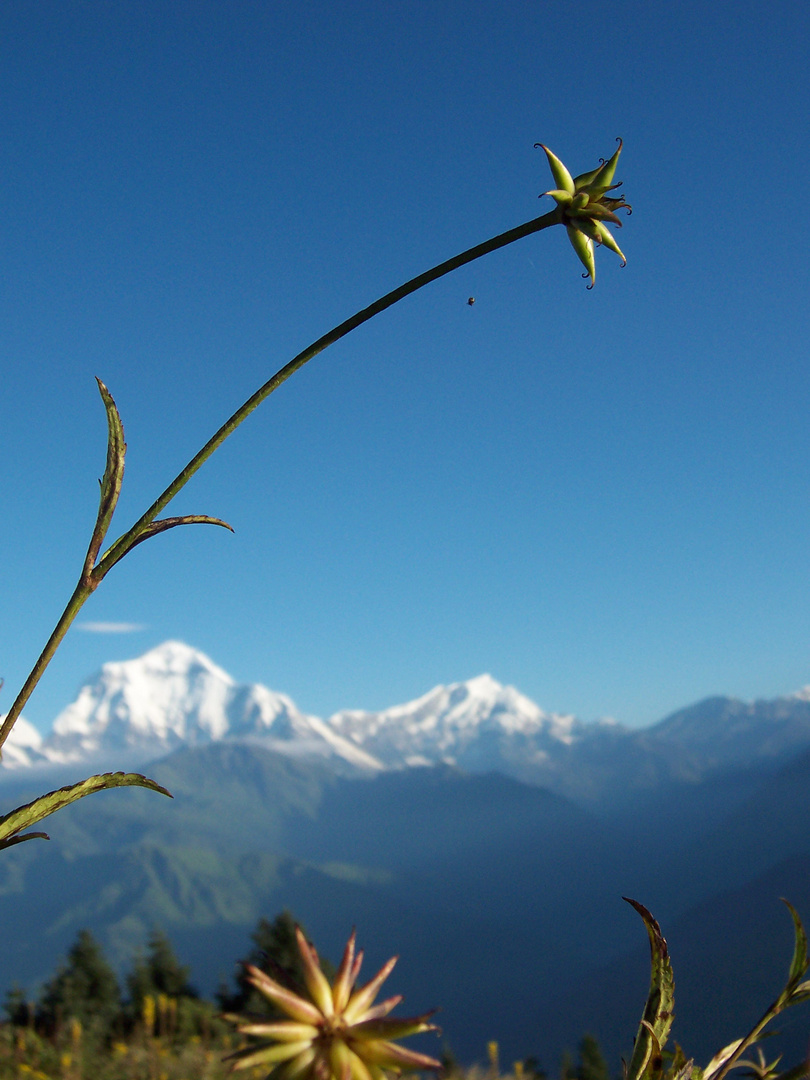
174,696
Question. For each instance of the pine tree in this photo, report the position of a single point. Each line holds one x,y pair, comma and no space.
159,973
592,1065
19,1010
84,989
275,951
533,1070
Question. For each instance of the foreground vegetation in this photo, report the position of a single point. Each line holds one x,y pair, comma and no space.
27,1055
81,1026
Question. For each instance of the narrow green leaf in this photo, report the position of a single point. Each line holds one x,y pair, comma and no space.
798,965
761,1068
11,825
651,1060
23,837
656,1021
113,476
164,524
679,1068
724,1055
111,557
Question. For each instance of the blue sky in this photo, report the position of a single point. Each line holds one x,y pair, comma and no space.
600,497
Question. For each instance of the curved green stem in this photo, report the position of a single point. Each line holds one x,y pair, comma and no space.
92,577
125,542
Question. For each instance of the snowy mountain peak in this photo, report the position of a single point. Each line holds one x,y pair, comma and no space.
170,695
175,658
464,723
173,696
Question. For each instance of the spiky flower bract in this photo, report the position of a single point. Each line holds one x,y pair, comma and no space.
336,1032
585,207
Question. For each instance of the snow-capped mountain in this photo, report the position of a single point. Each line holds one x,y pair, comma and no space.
174,696
476,725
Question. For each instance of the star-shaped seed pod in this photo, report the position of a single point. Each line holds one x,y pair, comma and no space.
336,1033
585,207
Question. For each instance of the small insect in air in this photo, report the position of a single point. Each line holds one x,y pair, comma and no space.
471,301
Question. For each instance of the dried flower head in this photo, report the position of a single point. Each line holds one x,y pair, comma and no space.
585,206
336,1033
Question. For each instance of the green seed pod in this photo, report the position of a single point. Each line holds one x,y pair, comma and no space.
583,246
562,177
586,208
600,234
608,239
606,173
584,180
562,198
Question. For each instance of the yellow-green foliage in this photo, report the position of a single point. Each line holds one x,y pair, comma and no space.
27,1055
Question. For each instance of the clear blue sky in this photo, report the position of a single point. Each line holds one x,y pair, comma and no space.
600,497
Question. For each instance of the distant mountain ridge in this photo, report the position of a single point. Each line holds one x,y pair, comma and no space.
139,710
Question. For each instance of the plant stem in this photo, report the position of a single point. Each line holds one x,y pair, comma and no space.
88,582
124,543
80,594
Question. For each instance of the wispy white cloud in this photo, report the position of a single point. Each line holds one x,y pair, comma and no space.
110,627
